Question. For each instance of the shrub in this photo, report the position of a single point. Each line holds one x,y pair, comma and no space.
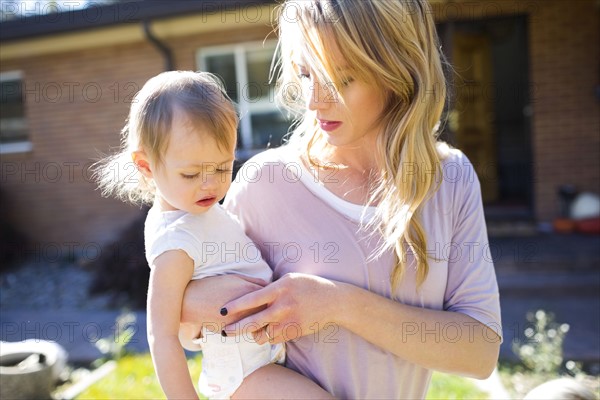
542,352
13,244
122,269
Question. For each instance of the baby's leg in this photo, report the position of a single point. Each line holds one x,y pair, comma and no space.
274,381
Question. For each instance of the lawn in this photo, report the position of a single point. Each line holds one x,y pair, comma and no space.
134,378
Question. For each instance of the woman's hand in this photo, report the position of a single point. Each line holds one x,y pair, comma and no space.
296,305
203,299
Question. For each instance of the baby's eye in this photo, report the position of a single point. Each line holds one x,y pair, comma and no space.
190,176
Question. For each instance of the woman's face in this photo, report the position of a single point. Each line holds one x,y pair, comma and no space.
356,120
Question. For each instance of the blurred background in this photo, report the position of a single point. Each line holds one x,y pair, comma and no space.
524,107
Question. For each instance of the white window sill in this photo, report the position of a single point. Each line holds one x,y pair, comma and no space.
18,147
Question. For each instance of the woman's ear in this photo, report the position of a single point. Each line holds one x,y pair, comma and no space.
141,162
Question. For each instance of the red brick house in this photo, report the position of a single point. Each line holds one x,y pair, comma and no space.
526,108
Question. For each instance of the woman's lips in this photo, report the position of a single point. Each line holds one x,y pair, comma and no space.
207,201
329,125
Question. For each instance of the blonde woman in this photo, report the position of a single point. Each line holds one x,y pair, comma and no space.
374,230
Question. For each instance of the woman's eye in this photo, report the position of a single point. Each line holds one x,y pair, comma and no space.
303,75
224,170
347,81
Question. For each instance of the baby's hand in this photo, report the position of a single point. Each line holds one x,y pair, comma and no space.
187,334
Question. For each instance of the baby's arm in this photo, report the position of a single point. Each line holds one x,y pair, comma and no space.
207,291
169,276
204,298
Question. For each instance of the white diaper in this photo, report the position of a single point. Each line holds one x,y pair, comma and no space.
226,361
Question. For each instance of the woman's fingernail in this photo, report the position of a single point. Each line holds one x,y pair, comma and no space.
223,333
223,311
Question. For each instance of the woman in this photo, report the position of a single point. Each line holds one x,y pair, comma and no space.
374,230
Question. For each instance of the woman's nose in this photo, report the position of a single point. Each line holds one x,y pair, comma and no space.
320,95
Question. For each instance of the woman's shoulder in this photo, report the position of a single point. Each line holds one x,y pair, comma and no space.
265,165
279,154
457,188
262,179
447,153
455,166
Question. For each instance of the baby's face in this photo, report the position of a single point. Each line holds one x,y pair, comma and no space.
196,172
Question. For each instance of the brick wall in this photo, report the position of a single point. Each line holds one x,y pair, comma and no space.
565,66
76,104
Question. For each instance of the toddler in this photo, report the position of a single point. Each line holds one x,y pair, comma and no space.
181,136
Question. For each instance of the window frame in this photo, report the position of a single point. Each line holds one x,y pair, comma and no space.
24,145
245,107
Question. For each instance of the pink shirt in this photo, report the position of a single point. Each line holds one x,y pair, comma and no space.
300,226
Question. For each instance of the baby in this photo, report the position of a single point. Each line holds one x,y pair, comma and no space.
181,135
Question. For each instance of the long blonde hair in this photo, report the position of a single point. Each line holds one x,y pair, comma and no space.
394,45
200,95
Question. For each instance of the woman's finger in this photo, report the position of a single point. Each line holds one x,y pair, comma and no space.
265,335
251,300
256,281
253,325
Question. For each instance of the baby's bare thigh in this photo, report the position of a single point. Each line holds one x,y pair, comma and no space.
274,381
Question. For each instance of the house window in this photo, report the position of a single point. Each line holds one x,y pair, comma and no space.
13,124
244,69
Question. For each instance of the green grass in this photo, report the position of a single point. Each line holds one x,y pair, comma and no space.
134,378
448,387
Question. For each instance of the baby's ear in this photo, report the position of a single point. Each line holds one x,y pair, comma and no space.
140,159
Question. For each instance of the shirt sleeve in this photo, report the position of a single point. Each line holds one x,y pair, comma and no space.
174,239
472,288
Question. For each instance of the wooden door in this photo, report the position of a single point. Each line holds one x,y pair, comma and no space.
472,117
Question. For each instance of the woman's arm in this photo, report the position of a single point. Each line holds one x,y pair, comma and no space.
169,277
447,341
441,340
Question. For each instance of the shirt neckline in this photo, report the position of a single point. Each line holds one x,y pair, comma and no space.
350,210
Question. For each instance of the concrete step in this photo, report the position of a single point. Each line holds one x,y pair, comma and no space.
561,282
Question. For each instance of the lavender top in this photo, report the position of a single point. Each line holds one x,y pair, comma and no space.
300,226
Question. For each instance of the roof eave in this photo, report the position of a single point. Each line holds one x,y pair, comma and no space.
98,16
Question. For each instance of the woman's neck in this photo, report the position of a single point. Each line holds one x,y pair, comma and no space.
352,171
358,161
358,157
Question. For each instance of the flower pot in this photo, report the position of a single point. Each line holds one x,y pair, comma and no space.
29,369
589,226
564,225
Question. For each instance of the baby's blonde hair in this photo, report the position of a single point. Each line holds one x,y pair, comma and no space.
199,95
392,45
